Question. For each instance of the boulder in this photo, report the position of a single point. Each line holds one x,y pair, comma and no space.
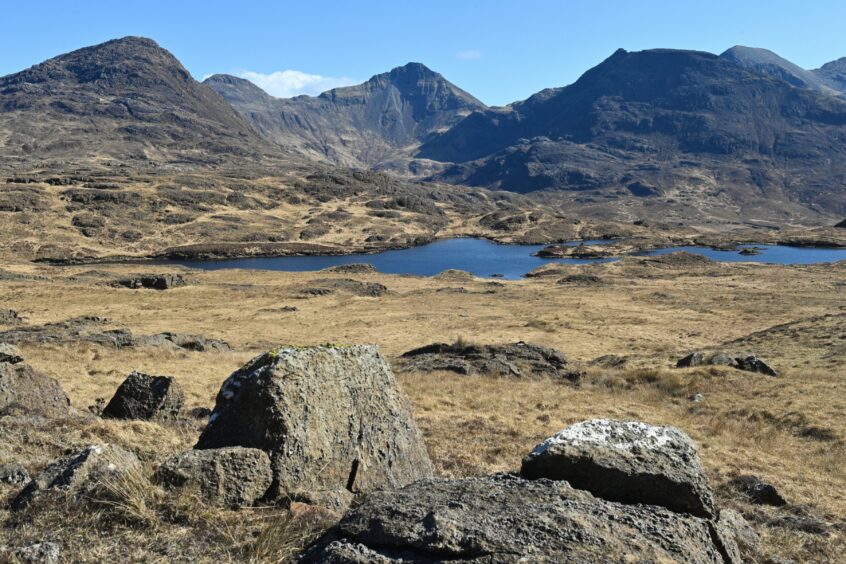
153,281
22,389
505,518
626,461
146,397
758,491
841,224
13,474
330,417
10,354
79,474
514,360
734,530
229,477
749,363
38,553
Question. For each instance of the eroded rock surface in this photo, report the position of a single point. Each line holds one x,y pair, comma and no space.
22,389
231,477
146,397
505,518
626,461
515,360
10,354
747,362
79,474
329,417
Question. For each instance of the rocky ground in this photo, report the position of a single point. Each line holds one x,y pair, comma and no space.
616,332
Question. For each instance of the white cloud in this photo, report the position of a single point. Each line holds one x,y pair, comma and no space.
288,83
469,55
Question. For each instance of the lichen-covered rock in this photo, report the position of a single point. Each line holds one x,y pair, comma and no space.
10,353
79,474
230,477
505,518
24,390
153,281
13,474
146,397
626,461
329,417
38,553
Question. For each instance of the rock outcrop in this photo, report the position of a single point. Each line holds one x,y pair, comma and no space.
230,477
82,473
626,461
748,362
331,418
757,491
13,474
516,360
22,389
146,397
153,281
10,354
9,317
505,518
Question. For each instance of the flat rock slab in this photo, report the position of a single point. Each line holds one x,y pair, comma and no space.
505,518
230,477
22,389
79,474
515,360
626,461
146,397
330,417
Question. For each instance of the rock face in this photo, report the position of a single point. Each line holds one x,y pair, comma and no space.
10,354
748,363
231,477
79,474
24,389
360,125
504,518
626,461
515,360
146,397
331,418
196,343
153,281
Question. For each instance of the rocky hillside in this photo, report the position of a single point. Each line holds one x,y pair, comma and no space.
363,125
663,124
834,73
125,99
765,61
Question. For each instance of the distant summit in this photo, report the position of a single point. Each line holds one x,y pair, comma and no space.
126,98
362,125
766,62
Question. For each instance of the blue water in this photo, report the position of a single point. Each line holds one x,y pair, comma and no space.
483,258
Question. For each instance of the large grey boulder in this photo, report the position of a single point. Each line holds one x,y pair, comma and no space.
626,461
142,396
24,390
230,477
505,518
82,473
330,417
10,353
733,530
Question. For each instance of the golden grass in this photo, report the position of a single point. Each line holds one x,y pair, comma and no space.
788,430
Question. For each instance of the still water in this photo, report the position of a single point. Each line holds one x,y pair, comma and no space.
483,258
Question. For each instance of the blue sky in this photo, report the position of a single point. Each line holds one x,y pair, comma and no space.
498,50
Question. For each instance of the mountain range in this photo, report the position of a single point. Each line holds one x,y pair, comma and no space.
743,133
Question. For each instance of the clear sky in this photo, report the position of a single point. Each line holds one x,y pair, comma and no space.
498,50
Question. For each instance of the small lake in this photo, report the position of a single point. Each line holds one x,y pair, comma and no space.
483,258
